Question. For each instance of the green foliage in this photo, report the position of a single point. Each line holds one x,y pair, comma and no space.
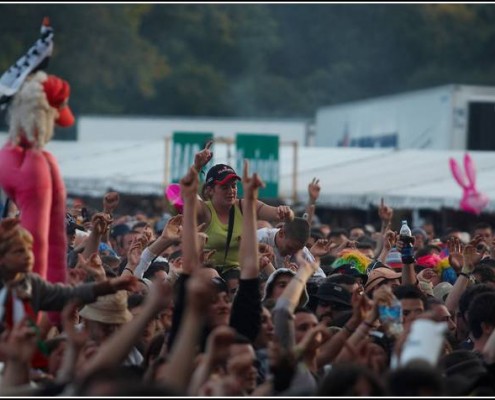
252,60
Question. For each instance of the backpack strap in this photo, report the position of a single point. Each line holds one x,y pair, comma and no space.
230,231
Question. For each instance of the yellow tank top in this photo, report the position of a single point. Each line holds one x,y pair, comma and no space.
217,238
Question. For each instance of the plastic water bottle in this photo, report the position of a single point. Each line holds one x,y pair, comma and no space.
390,316
406,237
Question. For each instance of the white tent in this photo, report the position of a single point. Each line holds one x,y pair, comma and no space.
349,177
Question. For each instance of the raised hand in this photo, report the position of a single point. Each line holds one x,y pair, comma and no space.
454,246
110,202
310,267
203,157
134,254
200,291
285,213
265,250
385,212
470,258
19,343
314,190
76,337
313,339
189,184
389,239
93,266
173,229
101,223
321,247
218,343
76,276
251,184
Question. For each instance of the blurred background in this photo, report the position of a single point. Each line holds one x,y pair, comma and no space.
373,99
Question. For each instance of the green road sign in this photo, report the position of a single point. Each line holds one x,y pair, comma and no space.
185,146
262,153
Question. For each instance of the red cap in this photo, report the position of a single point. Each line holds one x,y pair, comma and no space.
57,93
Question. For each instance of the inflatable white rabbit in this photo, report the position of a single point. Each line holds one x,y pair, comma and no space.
472,200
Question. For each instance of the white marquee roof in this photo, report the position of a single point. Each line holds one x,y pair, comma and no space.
349,177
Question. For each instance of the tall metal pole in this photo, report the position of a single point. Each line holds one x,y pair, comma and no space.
167,161
294,172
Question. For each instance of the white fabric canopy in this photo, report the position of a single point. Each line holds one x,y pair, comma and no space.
349,177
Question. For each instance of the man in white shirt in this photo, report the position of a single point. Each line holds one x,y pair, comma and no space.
287,242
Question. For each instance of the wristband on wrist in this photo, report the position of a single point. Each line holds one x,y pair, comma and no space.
128,269
467,276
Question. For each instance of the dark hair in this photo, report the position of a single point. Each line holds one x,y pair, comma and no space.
155,267
341,380
481,309
297,229
432,301
316,233
220,284
174,255
482,225
487,261
241,339
233,273
410,292
487,273
415,379
336,232
306,310
135,300
365,242
468,295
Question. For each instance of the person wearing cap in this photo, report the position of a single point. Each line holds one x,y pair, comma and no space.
30,175
333,301
379,275
223,209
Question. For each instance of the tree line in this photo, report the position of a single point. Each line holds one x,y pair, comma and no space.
252,60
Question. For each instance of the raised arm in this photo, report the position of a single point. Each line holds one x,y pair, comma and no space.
200,160
314,193
18,347
249,244
385,213
100,225
469,259
389,240
287,302
184,350
171,235
110,204
246,308
190,253
269,213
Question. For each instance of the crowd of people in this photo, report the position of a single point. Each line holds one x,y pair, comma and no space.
234,297
230,297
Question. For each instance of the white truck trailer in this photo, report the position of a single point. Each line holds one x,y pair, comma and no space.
450,117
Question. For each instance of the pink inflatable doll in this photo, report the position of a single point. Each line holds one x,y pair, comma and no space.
30,175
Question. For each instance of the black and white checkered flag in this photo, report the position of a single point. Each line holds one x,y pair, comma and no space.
36,58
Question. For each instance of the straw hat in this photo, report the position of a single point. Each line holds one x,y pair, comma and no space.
109,309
